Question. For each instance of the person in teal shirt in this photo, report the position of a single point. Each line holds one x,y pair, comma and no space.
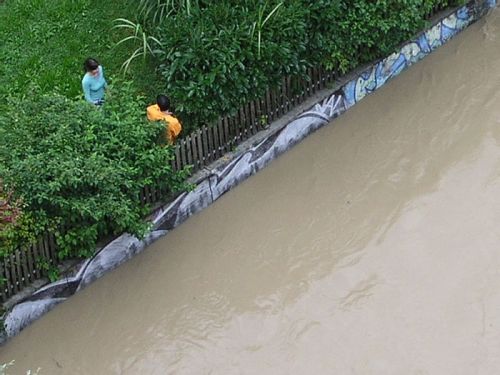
93,82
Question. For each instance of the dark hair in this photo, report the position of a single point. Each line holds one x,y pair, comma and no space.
90,64
163,102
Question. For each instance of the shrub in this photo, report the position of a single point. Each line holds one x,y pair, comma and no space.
13,223
83,168
9,209
345,34
213,62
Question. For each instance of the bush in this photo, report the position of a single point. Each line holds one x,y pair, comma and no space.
212,61
221,56
345,34
13,223
83,168
10,209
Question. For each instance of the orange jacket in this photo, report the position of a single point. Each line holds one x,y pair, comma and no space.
173,125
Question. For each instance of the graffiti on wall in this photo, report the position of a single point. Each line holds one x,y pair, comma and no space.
377,75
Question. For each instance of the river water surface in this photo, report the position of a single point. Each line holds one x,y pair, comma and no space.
373,247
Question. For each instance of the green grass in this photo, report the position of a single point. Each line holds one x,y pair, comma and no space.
44,43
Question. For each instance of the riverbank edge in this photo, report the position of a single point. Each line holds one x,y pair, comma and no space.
250,157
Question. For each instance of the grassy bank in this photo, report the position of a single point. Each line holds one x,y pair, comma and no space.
44,43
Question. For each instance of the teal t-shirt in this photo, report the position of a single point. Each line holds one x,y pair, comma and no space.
93,87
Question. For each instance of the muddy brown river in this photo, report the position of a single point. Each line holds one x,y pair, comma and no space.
373,247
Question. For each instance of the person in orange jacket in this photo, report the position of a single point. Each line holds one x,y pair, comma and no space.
161,111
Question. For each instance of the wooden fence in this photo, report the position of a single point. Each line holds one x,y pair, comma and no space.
198,149
209,143
21,268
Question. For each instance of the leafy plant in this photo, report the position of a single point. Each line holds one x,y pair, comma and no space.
138,36
79,170
15,225
217,56
218,59
261,22
157,11
44,264
10,209
151,14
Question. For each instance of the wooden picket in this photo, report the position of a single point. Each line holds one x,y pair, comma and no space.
27,264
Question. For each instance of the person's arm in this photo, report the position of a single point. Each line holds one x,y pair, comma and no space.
174,128
86,91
